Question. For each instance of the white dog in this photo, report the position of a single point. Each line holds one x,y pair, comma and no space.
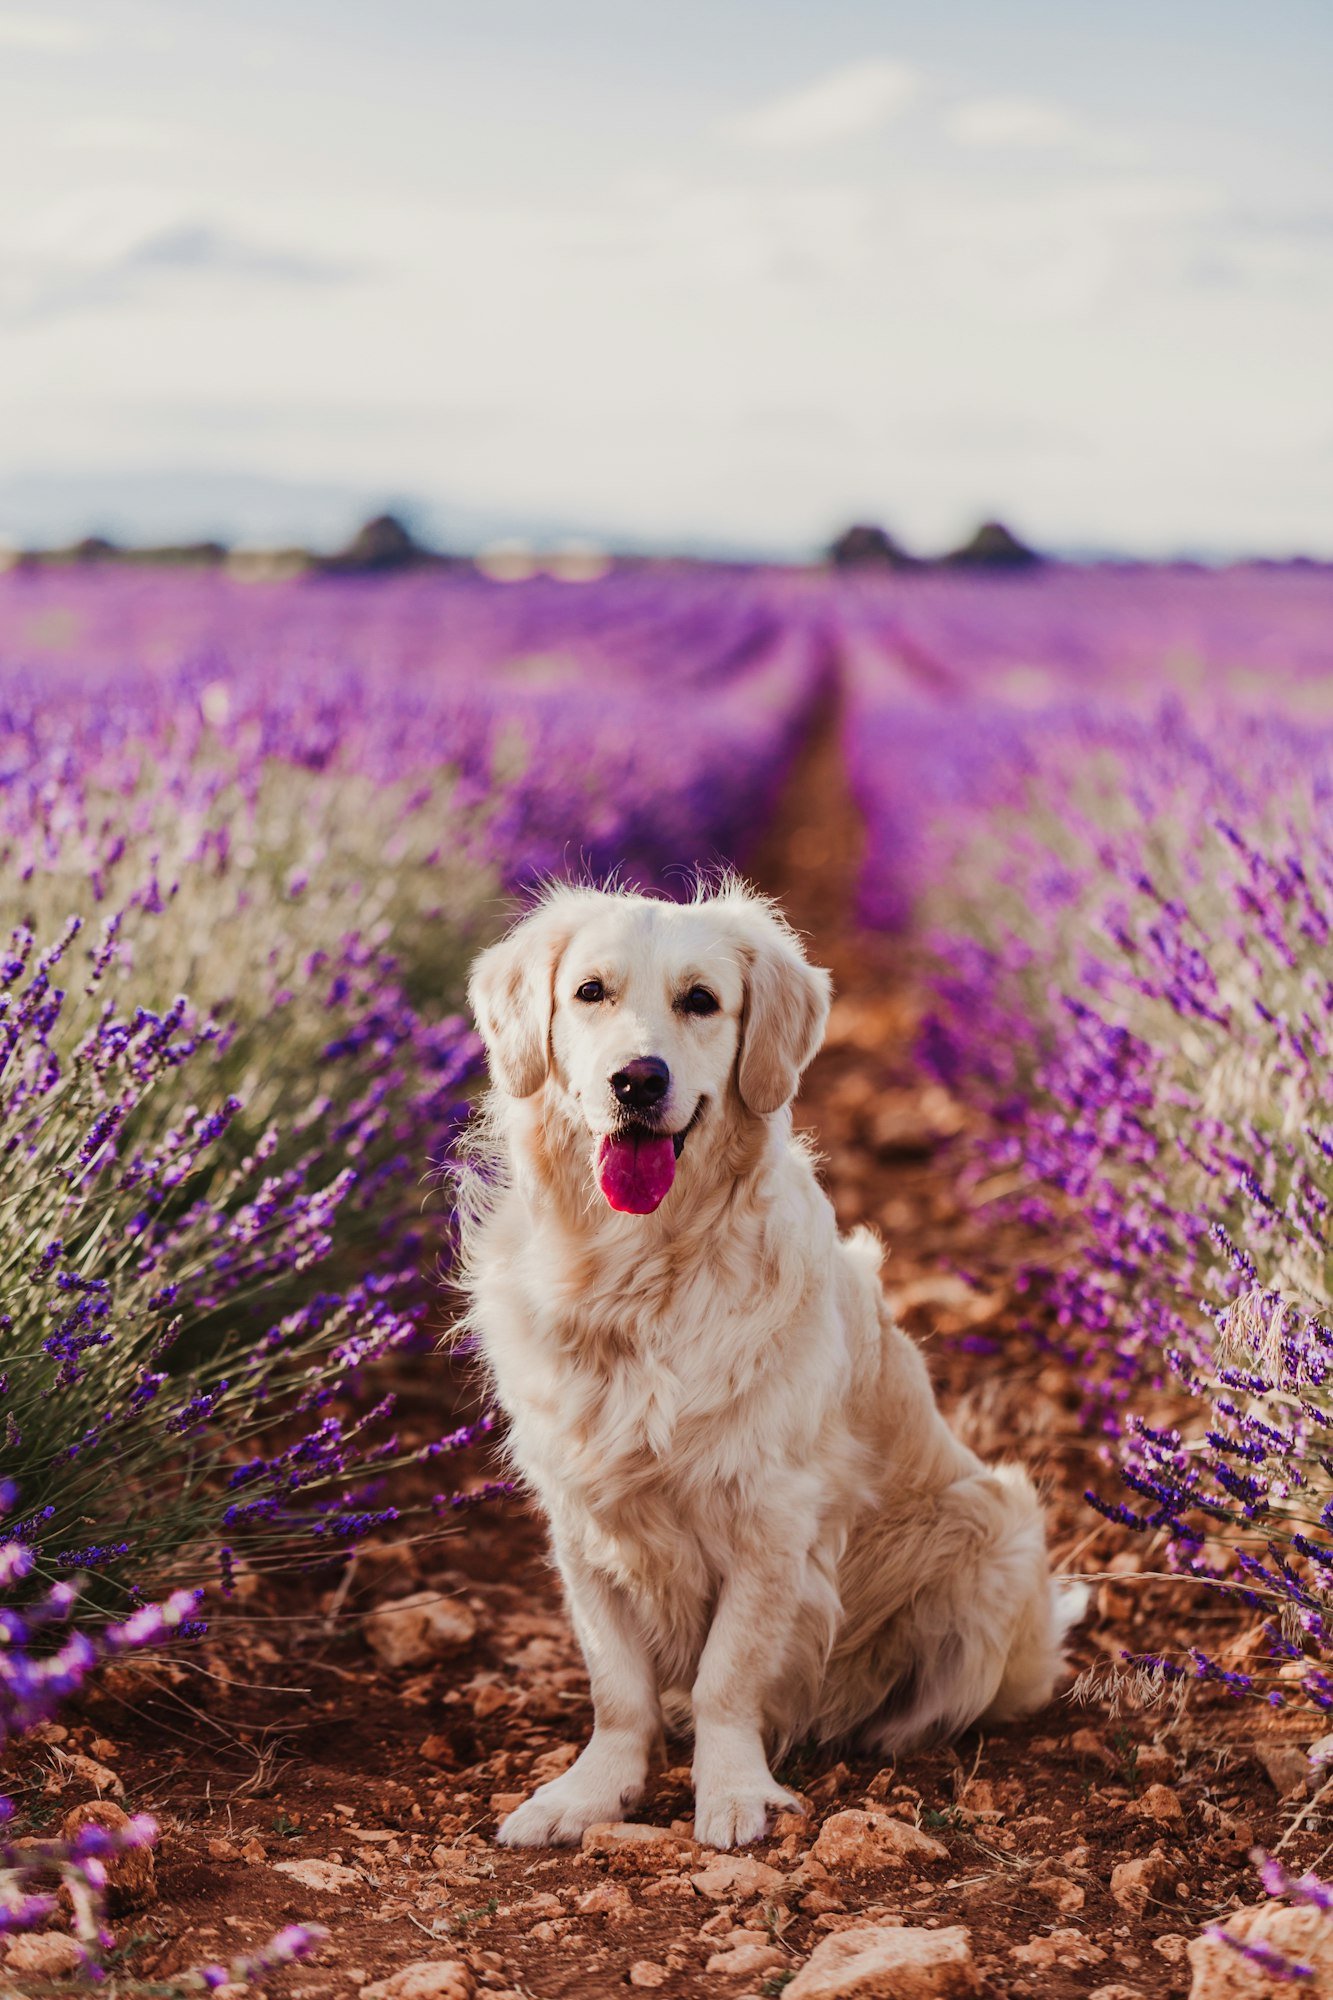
760,1517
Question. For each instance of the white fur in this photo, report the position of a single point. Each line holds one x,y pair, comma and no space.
761,1520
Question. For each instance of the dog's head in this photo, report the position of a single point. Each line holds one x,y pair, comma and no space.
652,1019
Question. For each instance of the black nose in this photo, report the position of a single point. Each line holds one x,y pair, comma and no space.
642,1084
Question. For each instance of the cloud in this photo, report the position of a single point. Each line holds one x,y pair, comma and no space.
67,279
843,105
1018,124
115,135
43,34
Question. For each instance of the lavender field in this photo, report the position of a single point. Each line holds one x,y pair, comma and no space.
252,835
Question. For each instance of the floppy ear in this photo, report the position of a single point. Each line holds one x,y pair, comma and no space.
510,992
786,1009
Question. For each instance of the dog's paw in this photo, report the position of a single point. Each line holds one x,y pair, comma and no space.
734,1818
559,1814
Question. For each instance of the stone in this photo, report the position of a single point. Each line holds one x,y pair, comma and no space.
1159,1803
415,1630
610,1899
425,1979
131,1875
733,1877
330,1878
1297,1931
646,1972
748,1961
1117,1990
1150,1879
863,1840
1067,1896
615,1836
1064,1948
889,1962
87,1769
44,1955
1287,1766
1172,1946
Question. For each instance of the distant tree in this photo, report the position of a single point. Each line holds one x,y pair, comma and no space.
92,548
865,545
380,546
994,546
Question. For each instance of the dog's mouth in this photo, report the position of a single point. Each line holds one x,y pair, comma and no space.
637,1165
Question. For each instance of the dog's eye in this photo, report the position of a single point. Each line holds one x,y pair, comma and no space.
591,990
699,1001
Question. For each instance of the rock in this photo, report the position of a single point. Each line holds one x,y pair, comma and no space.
222,1849
615,1836
732,1877
1087,1743
414,1630
330,1878
862,1840
425,1979
748,1961
1297,1932
1172,1946
1288,1768
47,1955
1067,1896
1117,1990
609,1899
888,1962
646,1972
1321,1755
1066,1948
131,1875
1155,1766
1135,1884
100,1776
1159,1803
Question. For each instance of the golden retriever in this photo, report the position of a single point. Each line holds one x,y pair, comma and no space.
762,1522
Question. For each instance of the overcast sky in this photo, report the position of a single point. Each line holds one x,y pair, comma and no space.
732,268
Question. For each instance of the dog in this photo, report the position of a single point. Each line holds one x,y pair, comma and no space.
762,1522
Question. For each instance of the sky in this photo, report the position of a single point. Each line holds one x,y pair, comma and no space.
709,275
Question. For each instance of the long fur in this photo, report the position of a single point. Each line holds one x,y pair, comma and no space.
761,1519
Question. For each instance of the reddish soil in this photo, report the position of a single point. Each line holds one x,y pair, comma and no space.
283,1740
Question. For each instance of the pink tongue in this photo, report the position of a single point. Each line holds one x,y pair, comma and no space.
634,1173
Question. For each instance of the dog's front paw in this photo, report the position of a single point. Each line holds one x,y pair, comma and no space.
726,1818
559,1814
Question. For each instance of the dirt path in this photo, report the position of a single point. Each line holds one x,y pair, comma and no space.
297,1777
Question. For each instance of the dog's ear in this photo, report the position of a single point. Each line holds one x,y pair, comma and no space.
786,1010
511,987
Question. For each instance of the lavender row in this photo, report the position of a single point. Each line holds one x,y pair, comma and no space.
1130,904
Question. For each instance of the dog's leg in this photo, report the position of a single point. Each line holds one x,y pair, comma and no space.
746,1651
611,1773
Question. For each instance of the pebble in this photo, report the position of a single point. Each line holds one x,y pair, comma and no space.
327,1877
615,1836
425,1979
46,1955
412,1631
1297,1931
1159,1803
872,1961
646,1972
1064,1948
1135,1884
862,1840
731,1877
748,1961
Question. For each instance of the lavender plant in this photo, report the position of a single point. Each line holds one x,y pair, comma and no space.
1131,925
